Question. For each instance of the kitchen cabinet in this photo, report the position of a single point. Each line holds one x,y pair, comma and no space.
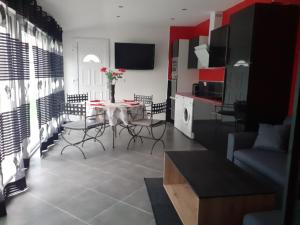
260,61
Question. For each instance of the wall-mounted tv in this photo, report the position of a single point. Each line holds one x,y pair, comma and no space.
218,46
134,56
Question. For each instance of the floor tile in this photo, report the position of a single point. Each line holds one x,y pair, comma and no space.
122,214
56,192
87,204
105,189
118,187
140,199
29,210
139,172
154,163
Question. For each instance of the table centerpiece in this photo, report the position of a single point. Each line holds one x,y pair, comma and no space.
113,75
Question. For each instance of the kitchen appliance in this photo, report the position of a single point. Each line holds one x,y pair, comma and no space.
202,53
187,110
211,90
184,115
182,77
195,90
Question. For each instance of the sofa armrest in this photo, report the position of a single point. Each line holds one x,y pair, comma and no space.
242,140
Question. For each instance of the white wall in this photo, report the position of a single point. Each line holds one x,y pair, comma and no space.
146,82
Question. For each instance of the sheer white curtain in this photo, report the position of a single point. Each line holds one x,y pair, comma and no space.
48,62
31,90
14,105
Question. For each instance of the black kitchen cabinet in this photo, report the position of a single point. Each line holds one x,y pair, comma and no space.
260,61
192,58
175,49
218,46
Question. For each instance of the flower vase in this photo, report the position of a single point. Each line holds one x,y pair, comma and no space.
112,93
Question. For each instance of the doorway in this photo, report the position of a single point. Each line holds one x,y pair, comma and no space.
92,54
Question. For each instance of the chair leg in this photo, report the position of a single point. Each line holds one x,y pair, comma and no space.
159,139
76,147
99,133
71,144
148,130
134,135
83,140
123,128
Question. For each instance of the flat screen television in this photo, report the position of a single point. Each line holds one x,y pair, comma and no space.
218,47
133,56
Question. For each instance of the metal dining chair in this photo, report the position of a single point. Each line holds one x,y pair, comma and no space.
77,98
151,124
85,124
147,101
237,110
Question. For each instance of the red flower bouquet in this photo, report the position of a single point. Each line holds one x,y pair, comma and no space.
113,75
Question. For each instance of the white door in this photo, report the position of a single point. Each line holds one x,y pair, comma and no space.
93,54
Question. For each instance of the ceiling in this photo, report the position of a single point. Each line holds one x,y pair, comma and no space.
76,14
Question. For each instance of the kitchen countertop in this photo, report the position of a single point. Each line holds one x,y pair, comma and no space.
203,99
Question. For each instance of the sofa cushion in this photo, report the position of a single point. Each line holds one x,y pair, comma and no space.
269,163
263,218
268,218
272,137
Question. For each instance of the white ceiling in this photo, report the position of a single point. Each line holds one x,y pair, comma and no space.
76,14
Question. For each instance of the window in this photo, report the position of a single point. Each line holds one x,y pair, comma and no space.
91,58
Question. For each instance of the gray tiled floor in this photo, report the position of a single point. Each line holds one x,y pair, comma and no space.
105,189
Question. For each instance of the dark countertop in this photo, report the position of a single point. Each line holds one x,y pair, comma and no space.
211,176
202,99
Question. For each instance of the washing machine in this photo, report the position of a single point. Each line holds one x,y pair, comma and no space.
183,121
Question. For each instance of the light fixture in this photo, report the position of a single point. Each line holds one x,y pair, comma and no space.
241,63
184,9
118,16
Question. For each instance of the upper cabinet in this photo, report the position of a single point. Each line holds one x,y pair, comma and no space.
241,35
193,60
260,61
175,49
218,47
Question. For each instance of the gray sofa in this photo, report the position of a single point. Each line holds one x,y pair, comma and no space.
266,164
268,218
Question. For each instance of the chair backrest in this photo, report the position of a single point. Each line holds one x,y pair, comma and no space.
146,99
240,110
158,108
75,109
77,98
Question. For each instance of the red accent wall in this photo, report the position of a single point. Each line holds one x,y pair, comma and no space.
295,71
201,29
212,74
